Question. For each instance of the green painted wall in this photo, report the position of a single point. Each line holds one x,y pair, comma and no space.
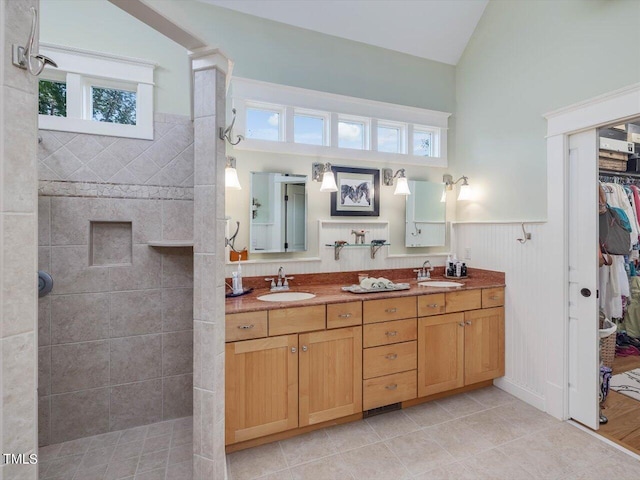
98,25
527,58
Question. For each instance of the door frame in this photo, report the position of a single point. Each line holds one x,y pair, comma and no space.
619,105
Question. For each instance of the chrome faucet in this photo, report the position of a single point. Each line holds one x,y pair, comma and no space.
424,273
282,281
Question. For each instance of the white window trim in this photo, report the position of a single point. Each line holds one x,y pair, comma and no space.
247,91
403,133
83,69
325,116
279,109
366,133
435,136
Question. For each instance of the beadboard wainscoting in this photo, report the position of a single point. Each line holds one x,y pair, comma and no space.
494,246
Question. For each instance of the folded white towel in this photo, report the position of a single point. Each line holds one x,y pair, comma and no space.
385,282
367,283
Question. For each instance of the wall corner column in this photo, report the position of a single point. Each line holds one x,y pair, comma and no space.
210,68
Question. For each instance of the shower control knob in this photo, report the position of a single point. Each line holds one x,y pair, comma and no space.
585,292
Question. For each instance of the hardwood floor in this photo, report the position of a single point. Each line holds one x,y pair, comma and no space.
623,412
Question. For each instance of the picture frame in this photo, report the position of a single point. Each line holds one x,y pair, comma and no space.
358,192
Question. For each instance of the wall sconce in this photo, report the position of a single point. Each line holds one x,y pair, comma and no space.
231,175
465,189
402,186
321,172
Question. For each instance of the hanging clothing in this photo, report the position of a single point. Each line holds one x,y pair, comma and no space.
632,315
614,284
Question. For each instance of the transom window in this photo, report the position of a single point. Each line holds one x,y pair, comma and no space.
263,124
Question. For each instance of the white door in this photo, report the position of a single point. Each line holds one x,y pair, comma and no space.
584,376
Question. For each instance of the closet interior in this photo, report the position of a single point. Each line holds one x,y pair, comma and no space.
619,282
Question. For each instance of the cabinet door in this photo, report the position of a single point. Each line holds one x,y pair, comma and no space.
261,387
330,374
440,353
484,344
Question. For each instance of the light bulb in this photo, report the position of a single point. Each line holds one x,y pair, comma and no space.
402,187
231,179
328,182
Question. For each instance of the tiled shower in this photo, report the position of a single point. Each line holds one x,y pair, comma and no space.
116,333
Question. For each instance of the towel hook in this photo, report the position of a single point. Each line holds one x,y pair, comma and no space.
527,235
22,56
230,242
226,133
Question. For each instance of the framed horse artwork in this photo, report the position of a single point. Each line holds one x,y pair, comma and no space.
358,192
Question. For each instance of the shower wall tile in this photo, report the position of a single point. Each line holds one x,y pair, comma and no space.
143,273
44,258
111,243
44,321
135,313
79,318
136,404
177,220
177,268
72,274
177,395
146,216
44,371
79,366
79,414
44,420
71,217
177,353
44,221
136,358
177,309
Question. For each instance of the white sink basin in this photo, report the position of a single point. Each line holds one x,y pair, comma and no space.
440,284
285,296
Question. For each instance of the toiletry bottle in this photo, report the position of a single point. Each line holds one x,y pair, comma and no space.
458,269
447,267
239,275
234,282
464,269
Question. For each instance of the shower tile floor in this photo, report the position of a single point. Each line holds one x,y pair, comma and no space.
160,451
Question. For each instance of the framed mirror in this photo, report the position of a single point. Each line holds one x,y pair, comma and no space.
278,213
425,215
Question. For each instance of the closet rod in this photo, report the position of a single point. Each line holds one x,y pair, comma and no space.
613,173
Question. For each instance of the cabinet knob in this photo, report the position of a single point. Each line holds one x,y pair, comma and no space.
391,310
304,348
461,324
391,334
392,386
468,322
245,327
345,315
391,356
294,349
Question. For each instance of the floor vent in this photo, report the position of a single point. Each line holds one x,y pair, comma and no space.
377,411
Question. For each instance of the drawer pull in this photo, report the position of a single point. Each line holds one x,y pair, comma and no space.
245,327
392,386
392,333
345,315
461,324
468,322
495,297
433,305
391,356
391,310
304,348
294,349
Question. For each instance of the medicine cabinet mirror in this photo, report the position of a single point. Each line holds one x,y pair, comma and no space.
278,213
425,215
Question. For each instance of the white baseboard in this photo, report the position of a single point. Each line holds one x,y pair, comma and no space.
520,392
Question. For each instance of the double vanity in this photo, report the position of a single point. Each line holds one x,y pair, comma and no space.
334,357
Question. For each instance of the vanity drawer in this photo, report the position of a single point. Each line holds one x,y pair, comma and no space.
492,297
298,319
389,309
245,326
344,314
431,305
390,332
388,359
381,391
461,301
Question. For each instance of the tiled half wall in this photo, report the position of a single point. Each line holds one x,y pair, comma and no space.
116,334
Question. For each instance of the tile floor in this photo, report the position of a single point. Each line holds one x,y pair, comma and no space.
160,451
482,435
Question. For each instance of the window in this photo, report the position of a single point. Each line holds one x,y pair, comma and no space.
96,93
391,137
113,105
309,129
52,98
263,124
423,143
352,134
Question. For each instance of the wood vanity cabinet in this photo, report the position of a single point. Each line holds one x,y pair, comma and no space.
459,349
283,382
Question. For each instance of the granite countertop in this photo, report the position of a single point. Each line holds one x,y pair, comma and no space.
326,292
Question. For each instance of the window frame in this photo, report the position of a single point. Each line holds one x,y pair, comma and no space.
435,136
326,127
366,131
83,69
280,110
403,129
